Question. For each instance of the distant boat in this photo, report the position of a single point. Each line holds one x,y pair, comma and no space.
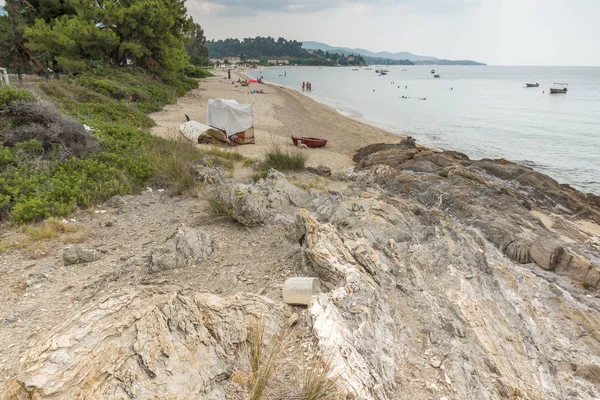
532,84
403,70
436,76
433,71
368,69
559,88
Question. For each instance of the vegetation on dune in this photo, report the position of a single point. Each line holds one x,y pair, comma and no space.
127,59
50,165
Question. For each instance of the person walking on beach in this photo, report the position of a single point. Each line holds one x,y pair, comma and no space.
303,86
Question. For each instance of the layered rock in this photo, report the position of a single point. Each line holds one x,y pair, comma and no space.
185,247
257,204
495,196
144,344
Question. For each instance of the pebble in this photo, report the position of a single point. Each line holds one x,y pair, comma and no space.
10,318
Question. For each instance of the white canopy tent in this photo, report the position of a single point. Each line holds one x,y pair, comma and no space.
236,120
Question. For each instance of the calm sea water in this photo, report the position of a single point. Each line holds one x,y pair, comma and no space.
488,112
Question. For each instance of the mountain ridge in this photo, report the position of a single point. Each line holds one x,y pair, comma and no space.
402,55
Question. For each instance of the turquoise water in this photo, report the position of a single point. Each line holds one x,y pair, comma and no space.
488,112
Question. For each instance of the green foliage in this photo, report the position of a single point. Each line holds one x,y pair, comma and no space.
147,32
114,103
11,94
256,47
12,40
73,41
269,48
195,72
195,43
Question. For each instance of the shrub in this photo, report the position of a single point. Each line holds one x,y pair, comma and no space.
284,160
10,94
41,121
192,71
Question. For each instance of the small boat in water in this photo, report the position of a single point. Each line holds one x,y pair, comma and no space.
532,84
436,76
309,141
559,88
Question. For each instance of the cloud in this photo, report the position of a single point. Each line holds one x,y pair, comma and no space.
252,7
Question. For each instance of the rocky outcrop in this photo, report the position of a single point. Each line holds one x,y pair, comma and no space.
422,305
364,355
494,196
257,204
185,247
144,344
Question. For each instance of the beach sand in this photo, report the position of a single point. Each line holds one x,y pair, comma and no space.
278,114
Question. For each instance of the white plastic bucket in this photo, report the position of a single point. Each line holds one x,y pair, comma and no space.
299,291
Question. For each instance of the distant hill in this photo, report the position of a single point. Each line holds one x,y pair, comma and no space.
404,55
385,55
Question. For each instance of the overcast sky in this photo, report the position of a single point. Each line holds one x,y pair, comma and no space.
498,32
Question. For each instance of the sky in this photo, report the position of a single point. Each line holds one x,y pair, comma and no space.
497,32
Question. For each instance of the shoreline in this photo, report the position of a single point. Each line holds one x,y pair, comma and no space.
284,111
278,114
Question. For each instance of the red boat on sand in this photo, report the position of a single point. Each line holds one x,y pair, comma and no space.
309,141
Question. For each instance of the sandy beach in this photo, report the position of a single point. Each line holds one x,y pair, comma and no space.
278,114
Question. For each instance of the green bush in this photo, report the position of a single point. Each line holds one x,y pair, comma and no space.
10,94
192,71
35,186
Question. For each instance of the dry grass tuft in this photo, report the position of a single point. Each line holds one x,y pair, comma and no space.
173,166
284,160
321,382
219,208
265,358
49,229
225,154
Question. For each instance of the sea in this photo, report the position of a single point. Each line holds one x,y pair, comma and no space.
483,111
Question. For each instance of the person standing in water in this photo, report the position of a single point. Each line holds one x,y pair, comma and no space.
303,86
